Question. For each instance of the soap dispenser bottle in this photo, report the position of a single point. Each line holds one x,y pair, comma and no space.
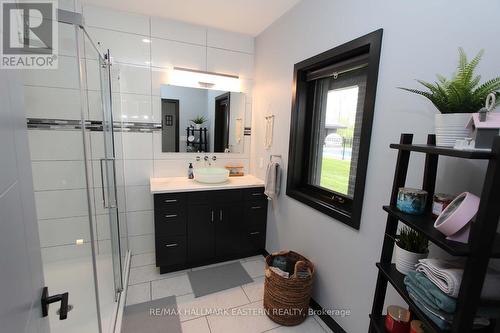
190,171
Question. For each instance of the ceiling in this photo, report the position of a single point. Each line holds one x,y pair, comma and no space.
244,16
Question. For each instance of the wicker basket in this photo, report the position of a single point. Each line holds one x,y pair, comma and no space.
286,301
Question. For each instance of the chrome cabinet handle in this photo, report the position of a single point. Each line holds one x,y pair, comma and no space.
220,215
255,194
256,207
170,200
172,245
212,216
255,233
168,216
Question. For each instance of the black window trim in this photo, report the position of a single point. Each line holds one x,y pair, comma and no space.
298,159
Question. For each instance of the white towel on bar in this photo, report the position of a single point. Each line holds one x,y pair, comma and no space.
447,276
273,180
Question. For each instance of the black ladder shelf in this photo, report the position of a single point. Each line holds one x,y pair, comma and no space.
484,241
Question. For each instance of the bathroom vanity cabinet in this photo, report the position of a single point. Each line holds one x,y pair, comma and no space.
204,227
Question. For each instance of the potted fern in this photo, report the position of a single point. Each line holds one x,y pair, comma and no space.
411,246
198,121
457,98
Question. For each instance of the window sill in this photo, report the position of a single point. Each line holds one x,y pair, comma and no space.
323,206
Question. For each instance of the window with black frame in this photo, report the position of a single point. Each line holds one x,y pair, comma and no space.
332,113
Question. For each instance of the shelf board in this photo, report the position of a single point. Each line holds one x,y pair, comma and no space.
430,149
396,280
425,225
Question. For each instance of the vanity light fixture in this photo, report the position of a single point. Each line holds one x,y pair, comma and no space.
201,79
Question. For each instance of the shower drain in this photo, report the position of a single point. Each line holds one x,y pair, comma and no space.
70,307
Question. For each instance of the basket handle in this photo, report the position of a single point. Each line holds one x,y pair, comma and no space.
301,266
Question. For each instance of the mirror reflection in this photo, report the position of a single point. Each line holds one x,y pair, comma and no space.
201,120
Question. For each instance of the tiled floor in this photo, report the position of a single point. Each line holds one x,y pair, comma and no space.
197,314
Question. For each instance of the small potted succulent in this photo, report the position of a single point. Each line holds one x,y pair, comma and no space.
198,121
411,246
457,98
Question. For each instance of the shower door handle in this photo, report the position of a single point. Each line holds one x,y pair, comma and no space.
102,182
46,300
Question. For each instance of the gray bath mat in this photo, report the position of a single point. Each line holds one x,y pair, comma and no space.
211,280
155,316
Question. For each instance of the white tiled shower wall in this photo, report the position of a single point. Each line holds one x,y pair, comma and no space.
57,159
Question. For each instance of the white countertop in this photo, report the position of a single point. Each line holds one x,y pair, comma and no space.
183,184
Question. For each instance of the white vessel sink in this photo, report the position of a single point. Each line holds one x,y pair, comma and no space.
211,175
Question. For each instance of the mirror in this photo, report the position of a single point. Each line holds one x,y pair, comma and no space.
201,120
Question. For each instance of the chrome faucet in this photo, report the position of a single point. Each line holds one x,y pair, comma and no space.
207,161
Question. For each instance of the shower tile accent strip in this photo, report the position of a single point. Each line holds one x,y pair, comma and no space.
92,125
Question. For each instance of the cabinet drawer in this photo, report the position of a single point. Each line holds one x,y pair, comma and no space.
169,201
171,222
256,215
214,197
253,241
255,193
170,250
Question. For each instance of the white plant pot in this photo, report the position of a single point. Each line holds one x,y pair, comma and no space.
451,127
197,126
406,260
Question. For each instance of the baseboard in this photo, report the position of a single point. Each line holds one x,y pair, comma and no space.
327,320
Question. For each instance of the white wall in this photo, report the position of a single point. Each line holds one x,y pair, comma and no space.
420,39
143,69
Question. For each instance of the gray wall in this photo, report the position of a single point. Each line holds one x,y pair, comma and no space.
420,39
21,275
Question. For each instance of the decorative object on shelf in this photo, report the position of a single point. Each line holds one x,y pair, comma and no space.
235,170
411,201
397,319
198,121
439,202
457,99
455,219
411,246
485,125
416,326
269,131
465,144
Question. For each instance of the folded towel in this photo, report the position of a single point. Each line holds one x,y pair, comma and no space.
447,276
441,321
273,180
444,320
429,293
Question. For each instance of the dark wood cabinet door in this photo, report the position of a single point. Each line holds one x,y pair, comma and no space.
201,230
230,219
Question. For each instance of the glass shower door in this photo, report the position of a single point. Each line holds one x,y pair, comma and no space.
108,173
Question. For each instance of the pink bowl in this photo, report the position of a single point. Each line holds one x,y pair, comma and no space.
458,214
